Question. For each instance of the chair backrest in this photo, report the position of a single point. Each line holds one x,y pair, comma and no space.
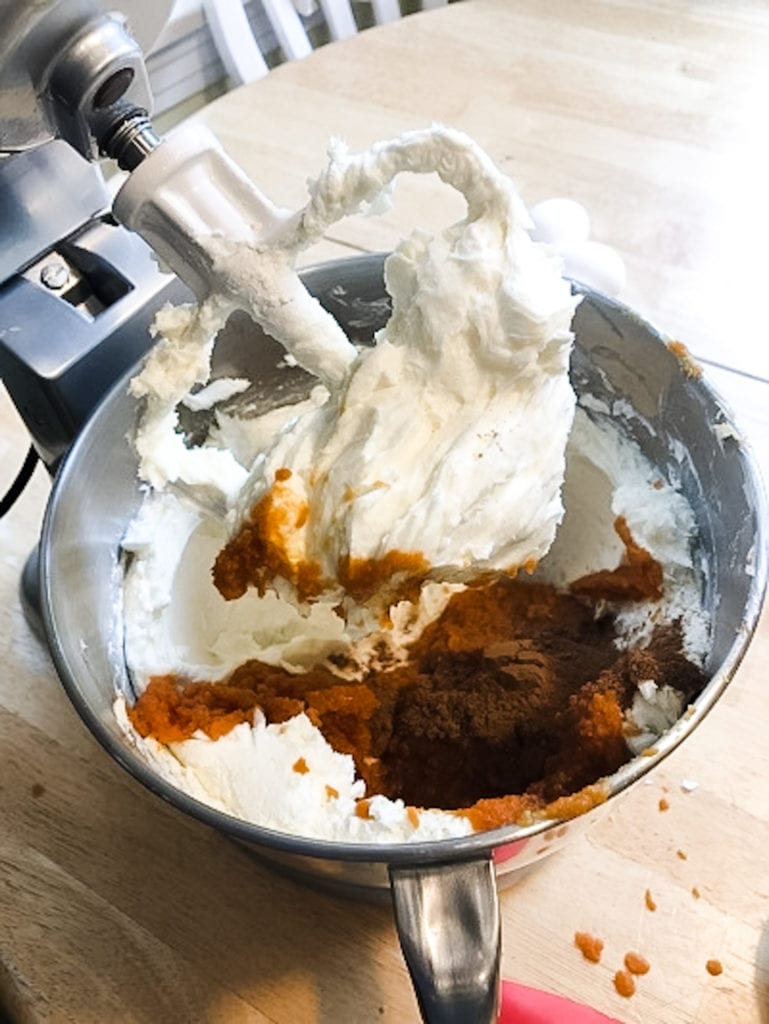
243,60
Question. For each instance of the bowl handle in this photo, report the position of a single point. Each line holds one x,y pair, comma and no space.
448,923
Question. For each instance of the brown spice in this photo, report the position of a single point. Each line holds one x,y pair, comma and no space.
649,899
714,967
636,963
589,946
624,983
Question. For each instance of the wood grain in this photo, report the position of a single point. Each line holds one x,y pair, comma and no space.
114,907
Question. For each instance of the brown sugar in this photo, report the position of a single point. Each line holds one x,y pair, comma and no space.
714,967
636,964
510,706
589,946
624,983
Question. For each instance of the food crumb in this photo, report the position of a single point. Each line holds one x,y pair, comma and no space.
684,356
636,963
664,804
301,766
331,792
714,967
689,785
37,789
362,809
589,946
696,892
649,899
682,855
413,815
624,983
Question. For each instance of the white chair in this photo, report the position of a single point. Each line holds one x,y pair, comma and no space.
239,52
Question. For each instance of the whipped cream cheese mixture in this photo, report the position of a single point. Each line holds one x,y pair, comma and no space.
447,440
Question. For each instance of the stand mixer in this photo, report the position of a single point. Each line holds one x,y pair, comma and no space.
77,291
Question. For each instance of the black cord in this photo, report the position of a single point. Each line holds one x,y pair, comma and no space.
22,479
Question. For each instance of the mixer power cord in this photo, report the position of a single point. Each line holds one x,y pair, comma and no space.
23,477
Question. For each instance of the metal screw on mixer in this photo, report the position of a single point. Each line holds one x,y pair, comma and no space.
54,275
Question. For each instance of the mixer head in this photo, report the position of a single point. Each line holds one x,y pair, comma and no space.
62,62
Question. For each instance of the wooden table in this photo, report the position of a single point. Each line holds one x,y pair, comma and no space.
113,907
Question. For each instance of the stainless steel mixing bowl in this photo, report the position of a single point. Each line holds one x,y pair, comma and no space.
617,355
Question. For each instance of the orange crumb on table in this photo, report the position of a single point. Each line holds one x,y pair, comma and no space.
681,854
332,793
649,900
301,766
284,473
636,963
696,892
624,983
37,789
589,946
714,967
664,805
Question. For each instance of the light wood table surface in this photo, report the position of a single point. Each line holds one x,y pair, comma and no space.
113,907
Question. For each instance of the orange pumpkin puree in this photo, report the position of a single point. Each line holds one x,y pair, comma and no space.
637,578
509,707
589,946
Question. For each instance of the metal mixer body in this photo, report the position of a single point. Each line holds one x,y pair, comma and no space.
77,291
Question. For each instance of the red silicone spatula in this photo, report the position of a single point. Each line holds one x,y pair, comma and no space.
523,1005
